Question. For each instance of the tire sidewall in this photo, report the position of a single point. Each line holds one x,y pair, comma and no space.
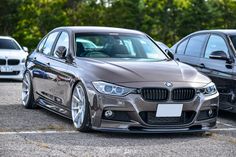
30,103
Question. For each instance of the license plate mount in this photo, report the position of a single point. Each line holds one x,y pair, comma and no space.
6,69
169,110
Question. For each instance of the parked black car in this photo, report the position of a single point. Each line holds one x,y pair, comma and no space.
212,52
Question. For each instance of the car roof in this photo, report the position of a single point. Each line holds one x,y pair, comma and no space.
224,31
6,37
84,29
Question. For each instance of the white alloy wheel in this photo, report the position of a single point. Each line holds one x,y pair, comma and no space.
26,88
78,106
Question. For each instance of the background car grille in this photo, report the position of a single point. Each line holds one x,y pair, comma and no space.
10,73
9,61
154,94
150,118
183,94
13,61
2,62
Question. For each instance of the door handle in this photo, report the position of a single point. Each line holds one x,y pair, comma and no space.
201,66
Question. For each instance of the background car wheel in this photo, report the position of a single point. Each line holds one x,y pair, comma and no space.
27,92
80,108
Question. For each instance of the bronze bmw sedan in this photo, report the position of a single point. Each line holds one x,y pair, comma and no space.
112,79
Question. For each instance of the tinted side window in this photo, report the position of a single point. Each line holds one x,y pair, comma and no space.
62,41
41,45
49,43
215,43
181,47
195,45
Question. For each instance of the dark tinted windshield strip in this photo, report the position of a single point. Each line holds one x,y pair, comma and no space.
233,40
8,44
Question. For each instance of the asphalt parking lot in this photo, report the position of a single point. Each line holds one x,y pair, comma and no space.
41,133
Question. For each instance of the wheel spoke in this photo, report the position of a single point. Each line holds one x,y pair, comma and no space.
25,83
77,116
25,97
75,108
26,90
76,99
78,92
82,117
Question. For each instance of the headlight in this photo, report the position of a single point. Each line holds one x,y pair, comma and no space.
23,60
209,89
111,89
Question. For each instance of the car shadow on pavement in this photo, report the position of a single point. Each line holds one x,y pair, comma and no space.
153,135
9,81
227,115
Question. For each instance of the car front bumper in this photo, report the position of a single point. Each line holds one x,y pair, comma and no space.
129,110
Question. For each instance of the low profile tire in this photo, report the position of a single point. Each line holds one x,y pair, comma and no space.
80,108
27,96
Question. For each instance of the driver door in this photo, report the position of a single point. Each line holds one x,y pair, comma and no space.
59,76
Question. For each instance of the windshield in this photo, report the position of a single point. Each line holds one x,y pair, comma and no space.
8,44
115,45
233,39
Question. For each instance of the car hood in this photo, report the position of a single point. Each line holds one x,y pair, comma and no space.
12,54
134,70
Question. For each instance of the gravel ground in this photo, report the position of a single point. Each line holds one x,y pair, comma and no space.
30,133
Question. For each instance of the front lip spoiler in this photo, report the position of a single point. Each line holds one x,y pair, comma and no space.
151,131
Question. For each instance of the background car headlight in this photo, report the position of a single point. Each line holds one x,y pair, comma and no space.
23,60
111,89
209,89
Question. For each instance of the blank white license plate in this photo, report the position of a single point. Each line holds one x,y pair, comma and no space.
6,69
169,110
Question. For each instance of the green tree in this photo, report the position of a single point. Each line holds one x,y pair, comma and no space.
165,20
223,13
8,16
160,19
195,17
36,18
125,14
86,13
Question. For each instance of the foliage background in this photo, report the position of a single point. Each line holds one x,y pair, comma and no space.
164,20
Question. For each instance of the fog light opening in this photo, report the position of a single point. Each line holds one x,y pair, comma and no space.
210,113
109,114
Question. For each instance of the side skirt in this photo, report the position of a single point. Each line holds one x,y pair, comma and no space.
56,108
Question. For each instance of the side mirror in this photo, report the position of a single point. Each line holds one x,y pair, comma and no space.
61,52
25,49
169,53
220,55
